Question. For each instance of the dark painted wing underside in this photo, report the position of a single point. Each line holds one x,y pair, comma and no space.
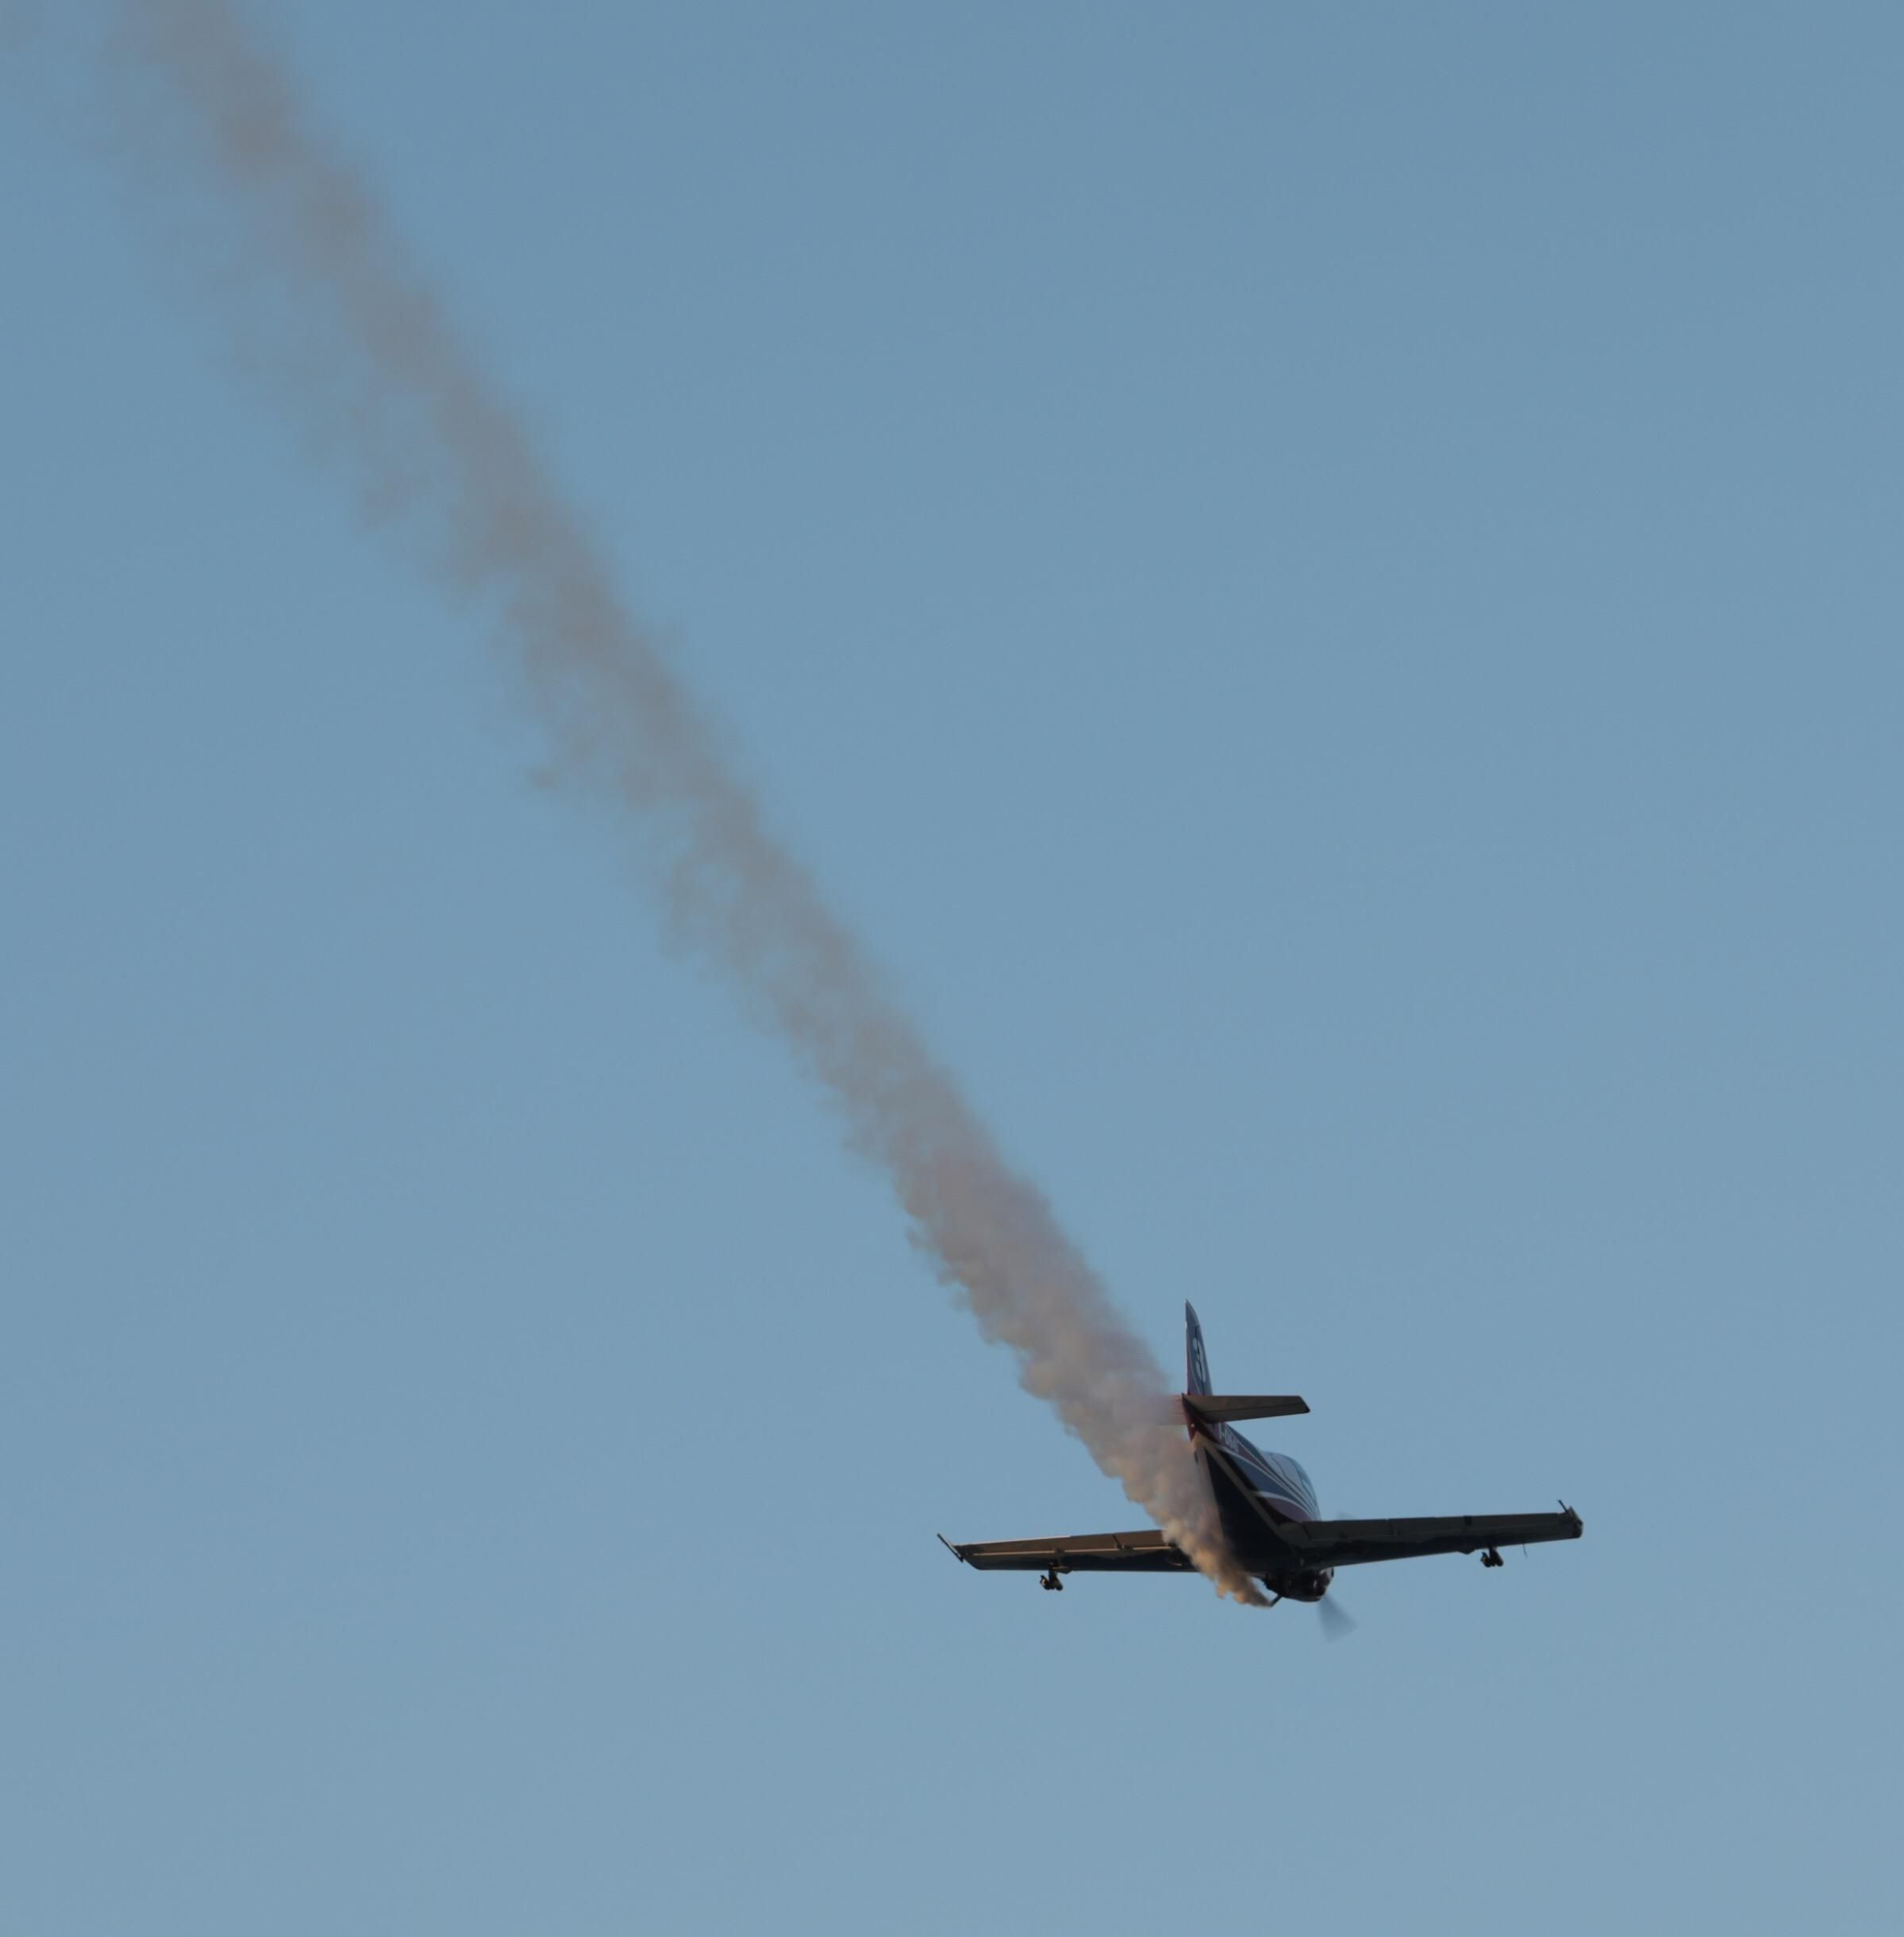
1351,1543
1147,1551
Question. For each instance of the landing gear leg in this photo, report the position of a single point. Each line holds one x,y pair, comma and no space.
1050,1582
1493,1558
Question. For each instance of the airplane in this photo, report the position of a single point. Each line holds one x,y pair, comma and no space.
1269,1514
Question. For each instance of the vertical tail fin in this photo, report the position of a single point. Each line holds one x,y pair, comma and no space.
1196,1366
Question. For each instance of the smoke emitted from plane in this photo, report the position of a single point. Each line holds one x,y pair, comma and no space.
348,333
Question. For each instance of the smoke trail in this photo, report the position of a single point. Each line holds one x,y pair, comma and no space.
361,351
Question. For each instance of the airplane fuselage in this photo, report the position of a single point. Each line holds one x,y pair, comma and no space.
1256,1494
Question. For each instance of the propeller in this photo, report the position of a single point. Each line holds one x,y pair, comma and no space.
1338,1624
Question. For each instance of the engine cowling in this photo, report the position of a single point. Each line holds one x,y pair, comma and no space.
1306,1586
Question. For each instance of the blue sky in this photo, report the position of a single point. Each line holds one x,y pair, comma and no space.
1322,589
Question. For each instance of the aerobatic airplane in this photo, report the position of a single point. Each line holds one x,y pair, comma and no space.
1268,1511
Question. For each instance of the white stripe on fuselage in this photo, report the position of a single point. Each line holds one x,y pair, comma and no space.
1275,1476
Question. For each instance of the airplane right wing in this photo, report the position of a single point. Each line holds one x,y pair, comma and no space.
1147,1551
1350,1542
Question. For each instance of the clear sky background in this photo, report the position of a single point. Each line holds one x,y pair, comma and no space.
1323,587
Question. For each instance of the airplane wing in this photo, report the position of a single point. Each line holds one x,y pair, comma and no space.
1149,1551
1350,1542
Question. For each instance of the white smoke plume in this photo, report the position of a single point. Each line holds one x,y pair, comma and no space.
354,340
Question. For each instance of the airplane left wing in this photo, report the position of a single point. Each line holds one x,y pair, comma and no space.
1147,1551
1350,1542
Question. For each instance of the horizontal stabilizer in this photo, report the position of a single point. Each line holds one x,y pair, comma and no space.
1211,1407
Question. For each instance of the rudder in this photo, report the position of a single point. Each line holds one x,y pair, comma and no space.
1196,1364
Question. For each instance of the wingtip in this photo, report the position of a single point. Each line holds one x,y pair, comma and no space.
954,1552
